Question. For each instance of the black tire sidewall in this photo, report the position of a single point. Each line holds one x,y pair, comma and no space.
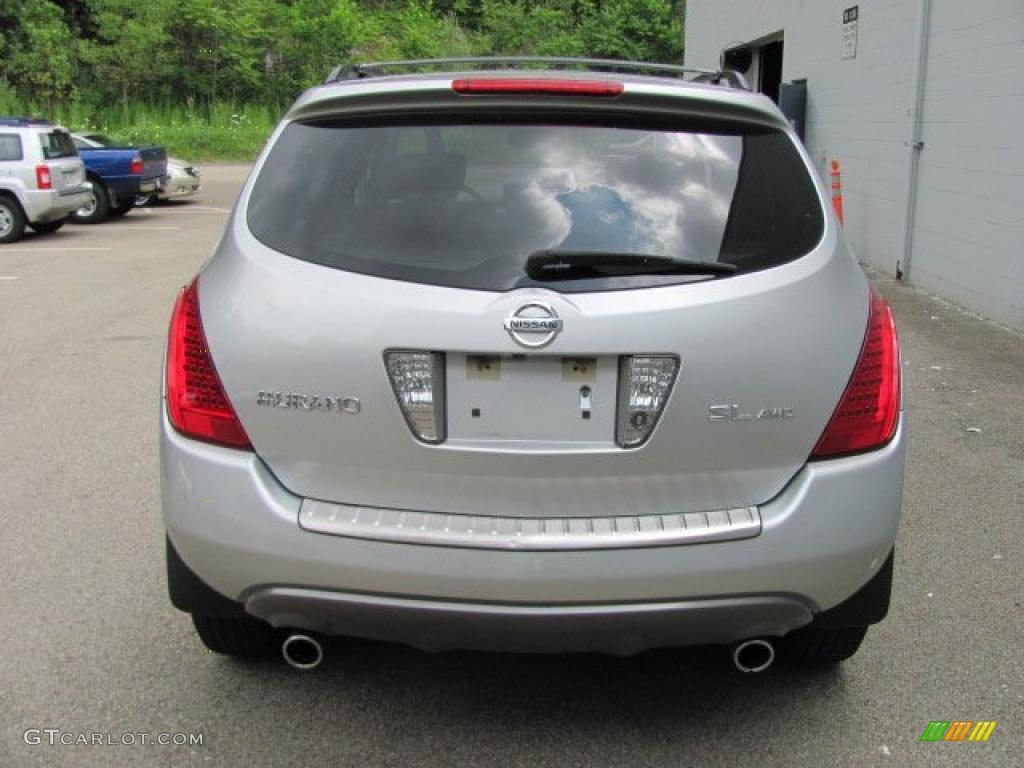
49,227
18,219
102,210
244,638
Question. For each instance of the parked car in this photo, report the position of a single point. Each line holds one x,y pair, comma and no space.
183,180
42,179
533,361
118,175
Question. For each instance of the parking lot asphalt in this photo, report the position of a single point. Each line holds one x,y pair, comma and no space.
91,645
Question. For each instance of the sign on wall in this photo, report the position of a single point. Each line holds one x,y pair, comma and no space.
850,16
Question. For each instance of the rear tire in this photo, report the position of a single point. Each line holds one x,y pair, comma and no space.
244,638
49,227
97,210
821,646
12,220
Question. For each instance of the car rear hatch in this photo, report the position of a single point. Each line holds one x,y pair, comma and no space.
61,158
386,340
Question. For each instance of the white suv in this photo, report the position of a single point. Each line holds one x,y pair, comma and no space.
42,179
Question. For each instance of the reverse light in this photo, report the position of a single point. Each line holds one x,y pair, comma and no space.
529,85
868,410
43,179
136,167
197,404
645,382
418,381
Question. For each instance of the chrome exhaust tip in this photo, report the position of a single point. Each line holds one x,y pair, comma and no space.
302,651
753,656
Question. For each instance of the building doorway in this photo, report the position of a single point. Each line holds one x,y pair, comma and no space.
769,70
760,62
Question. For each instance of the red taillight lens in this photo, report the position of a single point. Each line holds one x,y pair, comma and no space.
136,166
484,85
196,402
43,180
867,413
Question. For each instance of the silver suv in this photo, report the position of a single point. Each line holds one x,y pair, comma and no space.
559,360
42,179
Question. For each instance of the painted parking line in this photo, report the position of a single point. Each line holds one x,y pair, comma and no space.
180,211
192,208
41,250
8,277
133,228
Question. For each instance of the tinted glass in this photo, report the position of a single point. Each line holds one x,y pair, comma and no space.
57,144
465,205
10,147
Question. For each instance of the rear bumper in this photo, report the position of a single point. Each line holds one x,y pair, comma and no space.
174,190
50,204
825,536
127,187
621,629
179,185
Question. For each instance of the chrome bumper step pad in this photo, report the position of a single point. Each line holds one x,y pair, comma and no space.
528,533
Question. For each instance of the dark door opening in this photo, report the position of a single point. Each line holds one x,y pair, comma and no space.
770,69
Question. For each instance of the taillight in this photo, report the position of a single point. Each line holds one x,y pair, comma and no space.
136,166
418,381
528,85
43,180
196,402
867,412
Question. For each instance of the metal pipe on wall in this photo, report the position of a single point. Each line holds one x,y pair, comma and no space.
914,143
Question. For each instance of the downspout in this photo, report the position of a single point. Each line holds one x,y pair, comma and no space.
914,144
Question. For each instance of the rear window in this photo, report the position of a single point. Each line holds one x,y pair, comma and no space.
464,205
10,147
57,144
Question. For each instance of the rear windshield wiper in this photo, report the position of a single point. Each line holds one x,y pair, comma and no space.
554,264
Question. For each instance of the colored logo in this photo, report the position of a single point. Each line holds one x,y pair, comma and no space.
958,730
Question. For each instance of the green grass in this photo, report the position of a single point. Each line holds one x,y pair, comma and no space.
223,133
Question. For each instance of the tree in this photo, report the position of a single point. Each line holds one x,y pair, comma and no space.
208,52
38,52
633,29
128,57
220,48
623,29
322,34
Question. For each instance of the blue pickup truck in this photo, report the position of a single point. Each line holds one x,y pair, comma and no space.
118,174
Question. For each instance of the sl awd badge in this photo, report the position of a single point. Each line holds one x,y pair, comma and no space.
534,325
733,412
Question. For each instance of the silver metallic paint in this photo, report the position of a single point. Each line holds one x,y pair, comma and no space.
822,538
784,335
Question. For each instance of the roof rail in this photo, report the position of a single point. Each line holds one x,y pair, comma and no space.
379,68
